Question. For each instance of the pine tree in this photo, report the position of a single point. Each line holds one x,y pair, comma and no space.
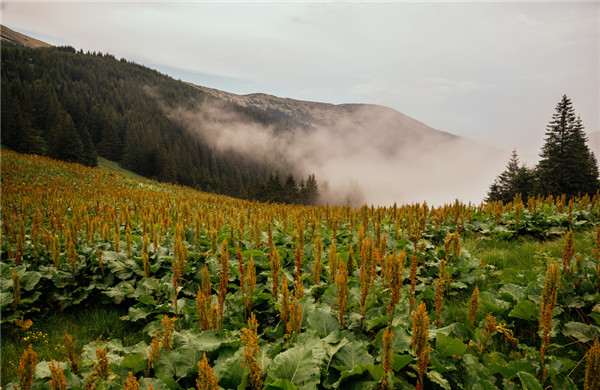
310,194
290,191
514,180
567,166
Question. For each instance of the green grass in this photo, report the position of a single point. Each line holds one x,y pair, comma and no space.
114,166
48,336
525,253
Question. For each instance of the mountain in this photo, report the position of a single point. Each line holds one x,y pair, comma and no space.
375,154
11,37
76,106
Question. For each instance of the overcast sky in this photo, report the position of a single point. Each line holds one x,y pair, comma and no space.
493,72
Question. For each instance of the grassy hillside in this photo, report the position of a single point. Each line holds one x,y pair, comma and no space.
150,279
77,106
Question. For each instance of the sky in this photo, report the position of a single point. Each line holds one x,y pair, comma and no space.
490,71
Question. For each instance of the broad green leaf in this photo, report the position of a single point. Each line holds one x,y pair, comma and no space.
477,373
281,384
436,377
322,321
582,332
449,346
400,361
42,369
138,313
350,355
491,303
156,384
512,292
296,365
167,364
204,341
528,381
6,298
510,369
134,362
524,310
188,361
30,280
229,367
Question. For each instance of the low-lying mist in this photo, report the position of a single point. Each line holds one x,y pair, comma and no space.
361,157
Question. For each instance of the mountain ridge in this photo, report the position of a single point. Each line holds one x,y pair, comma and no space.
218,141
12,37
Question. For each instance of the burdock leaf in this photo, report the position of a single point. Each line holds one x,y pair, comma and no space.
323,321
449,346
350,355
296,365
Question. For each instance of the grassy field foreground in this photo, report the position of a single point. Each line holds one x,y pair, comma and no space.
165,287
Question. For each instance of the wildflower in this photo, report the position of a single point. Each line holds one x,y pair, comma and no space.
206,286
100,264
206,376
153,352
251,349
439,293
342,291
419,340
58,381
70,351
568,251
167,332
317,255
203,309
549,295
26,368
388,337
251,281
274,259
128,240
101,365
414,265
285,302
333,262
223,276
456,245
295,317
131,383
473,304
592,370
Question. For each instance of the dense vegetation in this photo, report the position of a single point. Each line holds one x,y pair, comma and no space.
76,106
567,165
285,297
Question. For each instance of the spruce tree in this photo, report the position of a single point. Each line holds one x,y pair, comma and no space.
567,165
514,180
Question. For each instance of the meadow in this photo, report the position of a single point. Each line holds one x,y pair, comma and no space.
112,281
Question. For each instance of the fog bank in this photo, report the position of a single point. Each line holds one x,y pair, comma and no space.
360,154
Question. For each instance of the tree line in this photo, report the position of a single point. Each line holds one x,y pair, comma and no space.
567,166
77,106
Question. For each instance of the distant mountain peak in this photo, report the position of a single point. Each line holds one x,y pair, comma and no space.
11,37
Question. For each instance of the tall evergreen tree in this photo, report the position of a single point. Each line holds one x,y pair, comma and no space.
310,194
567,165
514,180
290,191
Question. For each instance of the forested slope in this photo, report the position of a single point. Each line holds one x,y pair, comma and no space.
76,106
